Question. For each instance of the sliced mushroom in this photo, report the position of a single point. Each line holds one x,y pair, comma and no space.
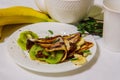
49,40
71,39
56,43
69,44
86,46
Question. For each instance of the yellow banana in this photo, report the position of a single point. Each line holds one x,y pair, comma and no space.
21,14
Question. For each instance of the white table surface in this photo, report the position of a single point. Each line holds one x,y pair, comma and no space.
104,66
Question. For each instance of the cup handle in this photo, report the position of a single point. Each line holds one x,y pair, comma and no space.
41,5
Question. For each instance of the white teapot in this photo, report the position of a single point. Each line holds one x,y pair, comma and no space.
66,11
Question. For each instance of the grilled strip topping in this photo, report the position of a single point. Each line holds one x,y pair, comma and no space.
70,44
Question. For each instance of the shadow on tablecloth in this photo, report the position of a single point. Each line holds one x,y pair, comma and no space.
9,29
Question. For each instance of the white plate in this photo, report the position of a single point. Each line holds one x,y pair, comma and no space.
21,58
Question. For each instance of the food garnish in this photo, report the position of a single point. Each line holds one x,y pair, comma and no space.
91,25
57,49
51,32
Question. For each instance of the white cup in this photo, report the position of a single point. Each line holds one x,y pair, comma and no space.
66,11
111,28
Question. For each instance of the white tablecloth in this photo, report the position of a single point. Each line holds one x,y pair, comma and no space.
104,66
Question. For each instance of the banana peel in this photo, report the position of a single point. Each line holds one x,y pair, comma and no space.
21,15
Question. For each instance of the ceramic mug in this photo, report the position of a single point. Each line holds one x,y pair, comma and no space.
66,11
111,28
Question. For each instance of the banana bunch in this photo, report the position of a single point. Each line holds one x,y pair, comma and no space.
21,14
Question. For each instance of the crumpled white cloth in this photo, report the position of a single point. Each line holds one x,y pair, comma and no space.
104,66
